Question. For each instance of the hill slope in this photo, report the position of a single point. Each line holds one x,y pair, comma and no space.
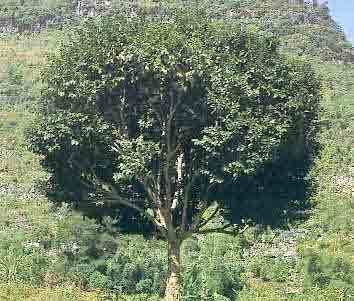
304,28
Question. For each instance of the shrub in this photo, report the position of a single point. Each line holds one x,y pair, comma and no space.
21,263
272,269
16,74
322,270
136,266
13,85
212,269
81,273
98,281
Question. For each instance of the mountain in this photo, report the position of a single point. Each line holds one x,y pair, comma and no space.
304,27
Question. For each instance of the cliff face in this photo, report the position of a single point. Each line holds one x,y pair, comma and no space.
31,15
305,27
92,8
22,15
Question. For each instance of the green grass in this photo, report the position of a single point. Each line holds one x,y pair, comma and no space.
16,292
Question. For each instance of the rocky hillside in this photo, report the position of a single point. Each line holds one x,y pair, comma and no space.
305,27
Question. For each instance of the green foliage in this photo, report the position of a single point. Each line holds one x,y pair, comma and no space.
212,269
127,101
272,269
327,252
239,105
98,281
16,74
22,264
22,58
303,29
15,88
136,265
321,270
34,15
21,292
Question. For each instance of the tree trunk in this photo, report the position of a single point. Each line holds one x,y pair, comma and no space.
173,280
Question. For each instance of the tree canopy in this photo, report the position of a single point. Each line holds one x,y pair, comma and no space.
162,116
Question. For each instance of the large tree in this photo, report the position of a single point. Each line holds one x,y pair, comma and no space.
162,116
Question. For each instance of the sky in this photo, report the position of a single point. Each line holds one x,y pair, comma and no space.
342,12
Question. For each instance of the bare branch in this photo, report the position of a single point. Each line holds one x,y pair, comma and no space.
206,221
150,190
115,197
198,218
224,230
149,216
171,152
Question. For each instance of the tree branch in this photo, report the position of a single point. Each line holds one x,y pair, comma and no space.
171,152
185,203
157,202
198,218
150,217
114,196
205,222
223,230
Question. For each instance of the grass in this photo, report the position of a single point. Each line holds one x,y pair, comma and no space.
18,292
11,292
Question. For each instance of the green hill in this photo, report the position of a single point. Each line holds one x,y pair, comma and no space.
304,29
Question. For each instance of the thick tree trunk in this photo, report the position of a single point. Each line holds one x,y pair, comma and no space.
173,281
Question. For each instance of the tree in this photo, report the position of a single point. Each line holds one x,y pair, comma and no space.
160,117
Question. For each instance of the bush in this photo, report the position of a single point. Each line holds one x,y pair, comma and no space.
16,74
98,281
81,274
322,270
22,262
212,269
136,266
271,269
14,84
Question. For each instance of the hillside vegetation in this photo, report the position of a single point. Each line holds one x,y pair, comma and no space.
305,29
49,252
